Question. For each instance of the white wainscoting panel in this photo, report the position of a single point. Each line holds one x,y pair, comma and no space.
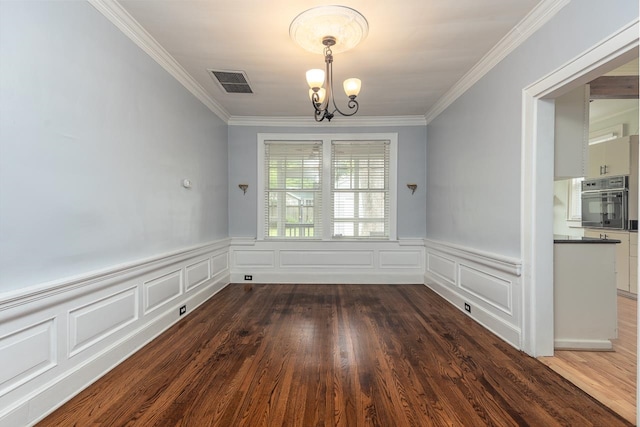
443,267
401,259
248,258
161,290
331,259
97,320
280,261
57,338
219,264
198,273
490,284
492,289
26,353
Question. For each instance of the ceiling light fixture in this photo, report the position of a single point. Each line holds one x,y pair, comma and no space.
326,29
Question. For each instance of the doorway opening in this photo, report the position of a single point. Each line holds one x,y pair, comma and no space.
595,329
538,174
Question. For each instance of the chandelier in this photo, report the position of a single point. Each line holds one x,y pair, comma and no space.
326,29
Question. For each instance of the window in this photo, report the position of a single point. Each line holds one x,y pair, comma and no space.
574,211
293,189
360,189
322,187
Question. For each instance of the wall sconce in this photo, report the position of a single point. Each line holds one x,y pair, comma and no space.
243,187
412,187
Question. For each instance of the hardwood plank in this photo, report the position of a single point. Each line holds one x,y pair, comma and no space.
338,355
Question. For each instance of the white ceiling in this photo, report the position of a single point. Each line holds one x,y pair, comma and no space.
601,109
415,52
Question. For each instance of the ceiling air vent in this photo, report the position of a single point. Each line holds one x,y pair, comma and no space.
231,81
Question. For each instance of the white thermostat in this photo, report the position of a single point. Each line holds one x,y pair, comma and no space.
186,183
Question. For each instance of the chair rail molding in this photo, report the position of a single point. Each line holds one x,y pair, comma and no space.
485,286
59,337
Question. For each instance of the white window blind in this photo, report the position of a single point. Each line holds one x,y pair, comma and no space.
360,189
293,190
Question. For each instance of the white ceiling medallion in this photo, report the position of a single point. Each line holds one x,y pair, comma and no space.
312,26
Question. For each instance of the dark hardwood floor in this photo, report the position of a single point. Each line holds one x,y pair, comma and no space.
331,355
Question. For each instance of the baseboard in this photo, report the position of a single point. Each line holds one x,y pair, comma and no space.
629,295
84,329
480,314
101,363
351,262
488,284
330,277
590,345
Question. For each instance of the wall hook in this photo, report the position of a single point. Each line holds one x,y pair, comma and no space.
412,187
243,187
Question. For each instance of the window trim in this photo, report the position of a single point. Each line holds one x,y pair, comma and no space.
574,202
326,139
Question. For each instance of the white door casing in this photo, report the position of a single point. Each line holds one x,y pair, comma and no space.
537,179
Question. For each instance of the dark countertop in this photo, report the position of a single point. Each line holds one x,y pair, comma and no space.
578,239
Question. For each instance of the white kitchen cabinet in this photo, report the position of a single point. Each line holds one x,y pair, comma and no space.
571,134
633,178
633,262
622,253
585,301
610,158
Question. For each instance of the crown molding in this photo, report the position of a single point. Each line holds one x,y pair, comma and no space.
540,15
531,23
308,121
119,17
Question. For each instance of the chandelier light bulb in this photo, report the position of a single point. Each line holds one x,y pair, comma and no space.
315,78
352,87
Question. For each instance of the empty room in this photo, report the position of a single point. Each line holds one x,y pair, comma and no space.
198,227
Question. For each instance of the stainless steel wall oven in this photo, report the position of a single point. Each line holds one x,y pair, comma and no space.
605,202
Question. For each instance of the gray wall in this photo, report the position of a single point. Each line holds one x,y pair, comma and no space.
474,146
95,139
243,145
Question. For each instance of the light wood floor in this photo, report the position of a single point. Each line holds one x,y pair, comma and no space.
331,355
609,377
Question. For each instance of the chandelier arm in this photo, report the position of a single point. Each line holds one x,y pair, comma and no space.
315,101
322,109
351,104
352,99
